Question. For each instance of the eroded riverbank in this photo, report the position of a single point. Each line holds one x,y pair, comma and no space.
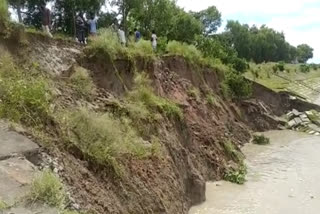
282,178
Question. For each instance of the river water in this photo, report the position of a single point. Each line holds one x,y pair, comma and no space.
283,178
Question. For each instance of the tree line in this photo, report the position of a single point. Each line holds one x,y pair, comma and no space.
237,44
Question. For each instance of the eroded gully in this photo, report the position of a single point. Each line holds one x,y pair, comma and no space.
283,177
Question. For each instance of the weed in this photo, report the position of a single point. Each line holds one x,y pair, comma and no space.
304,68
3,205
211,99
232,152
82,82
142,48
25,97
195,93
143,96
260,140
238,85
46,187
189,52
237,176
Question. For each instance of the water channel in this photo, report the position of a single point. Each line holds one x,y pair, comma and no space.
283,178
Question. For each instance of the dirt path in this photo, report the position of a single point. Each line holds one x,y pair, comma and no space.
282,178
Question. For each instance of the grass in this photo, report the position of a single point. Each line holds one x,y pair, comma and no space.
195,93
25,96
260,140
104,139
82,83
237,176
3,9
143,99
232,152
211,99
189,52
3,205
47,188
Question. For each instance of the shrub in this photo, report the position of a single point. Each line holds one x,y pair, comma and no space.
142,48
143,95
102,138
82,82
275,68
239,86
189,52
240,65
46,187
211,99
281,66
260,140
25,97
195,93
237,176
106,42
304,68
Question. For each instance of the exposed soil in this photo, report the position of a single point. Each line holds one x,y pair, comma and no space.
193,150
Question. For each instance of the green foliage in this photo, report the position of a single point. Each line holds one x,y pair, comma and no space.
143,97
46,187
102,138
210,18
239,86
82,82
232,152
304,52
237,176
240,65
260,140
3,205
3,10
189,52
211,99
107,42
281,66
25,96
142,48
304,68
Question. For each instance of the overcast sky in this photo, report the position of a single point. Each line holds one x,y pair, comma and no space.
298,19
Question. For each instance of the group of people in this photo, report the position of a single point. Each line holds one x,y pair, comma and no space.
135,37
85,27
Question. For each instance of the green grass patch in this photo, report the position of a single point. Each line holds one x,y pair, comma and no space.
237,176
3,205
47,188
260,140
195,93
82,82
3,10
232,152
211,100
25,95
143,100
189,52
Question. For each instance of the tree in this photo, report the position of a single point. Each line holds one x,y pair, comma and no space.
210,18
3,10
304,53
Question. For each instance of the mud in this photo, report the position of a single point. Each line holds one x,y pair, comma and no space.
282,178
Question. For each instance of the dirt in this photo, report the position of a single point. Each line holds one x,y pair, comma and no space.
193,150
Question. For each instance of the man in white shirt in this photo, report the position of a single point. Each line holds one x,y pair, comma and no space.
154,40
122,36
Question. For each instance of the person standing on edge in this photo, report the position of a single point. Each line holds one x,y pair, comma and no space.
122,36
46,19
154,39
81,26
92,25
137,35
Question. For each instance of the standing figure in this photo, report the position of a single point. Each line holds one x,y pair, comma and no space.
46,20
92,25
122,36
154,39
81,26
137,35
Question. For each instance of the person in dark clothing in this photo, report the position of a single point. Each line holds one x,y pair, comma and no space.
81,28
137,35
46,19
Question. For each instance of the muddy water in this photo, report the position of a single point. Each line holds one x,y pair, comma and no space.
283,177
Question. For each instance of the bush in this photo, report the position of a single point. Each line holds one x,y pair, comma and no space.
3,10
240,65
82,82
189,52
103,138
232,152
304,68
25,97
239,86
143,95
260,140
46,187
281,66
236,176
142,48
106,42
211,99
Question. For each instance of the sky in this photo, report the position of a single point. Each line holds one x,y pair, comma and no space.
298,19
